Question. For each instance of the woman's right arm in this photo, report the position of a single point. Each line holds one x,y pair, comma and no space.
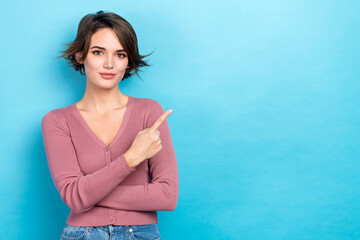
80,192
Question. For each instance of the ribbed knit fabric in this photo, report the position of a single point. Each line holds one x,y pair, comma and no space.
95,181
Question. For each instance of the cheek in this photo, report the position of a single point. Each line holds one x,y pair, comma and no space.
92,64
122,65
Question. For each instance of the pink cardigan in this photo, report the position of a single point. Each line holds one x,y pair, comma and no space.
95,181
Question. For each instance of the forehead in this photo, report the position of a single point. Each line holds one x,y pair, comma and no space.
105,37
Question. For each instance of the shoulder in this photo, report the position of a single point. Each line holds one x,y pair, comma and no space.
148,104
151,109
56,116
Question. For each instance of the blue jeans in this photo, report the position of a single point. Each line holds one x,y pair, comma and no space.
111,232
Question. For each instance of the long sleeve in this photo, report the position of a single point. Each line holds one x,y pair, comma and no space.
80,192
161,194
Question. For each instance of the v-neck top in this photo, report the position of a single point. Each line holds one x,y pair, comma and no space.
128,108
95,181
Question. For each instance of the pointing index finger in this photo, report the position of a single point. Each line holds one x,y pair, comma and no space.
160,120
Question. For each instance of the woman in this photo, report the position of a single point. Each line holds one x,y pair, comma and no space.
105,153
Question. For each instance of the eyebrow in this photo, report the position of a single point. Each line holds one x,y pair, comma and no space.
119,50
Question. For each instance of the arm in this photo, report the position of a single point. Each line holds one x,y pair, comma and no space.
162,193
80,192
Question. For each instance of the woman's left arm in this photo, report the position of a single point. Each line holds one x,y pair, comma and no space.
161,194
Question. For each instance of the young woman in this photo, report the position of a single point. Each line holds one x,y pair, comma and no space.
110,155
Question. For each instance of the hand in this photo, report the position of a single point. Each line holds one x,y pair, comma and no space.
147,143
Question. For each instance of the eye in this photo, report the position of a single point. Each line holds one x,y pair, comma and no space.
95,52
121,55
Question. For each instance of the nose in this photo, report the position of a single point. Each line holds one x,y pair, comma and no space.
108,62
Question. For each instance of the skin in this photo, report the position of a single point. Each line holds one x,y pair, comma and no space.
103,100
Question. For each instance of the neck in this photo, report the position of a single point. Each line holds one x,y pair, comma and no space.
102,100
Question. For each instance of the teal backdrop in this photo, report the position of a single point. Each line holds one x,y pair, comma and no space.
265,122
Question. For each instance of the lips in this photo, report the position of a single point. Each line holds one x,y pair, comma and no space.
107,75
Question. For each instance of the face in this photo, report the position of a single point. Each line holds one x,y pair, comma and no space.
105,56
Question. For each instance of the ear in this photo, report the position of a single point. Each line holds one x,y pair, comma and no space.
77,57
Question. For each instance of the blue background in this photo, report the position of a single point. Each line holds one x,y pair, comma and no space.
266,115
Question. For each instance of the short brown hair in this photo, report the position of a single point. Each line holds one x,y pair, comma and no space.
89,24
